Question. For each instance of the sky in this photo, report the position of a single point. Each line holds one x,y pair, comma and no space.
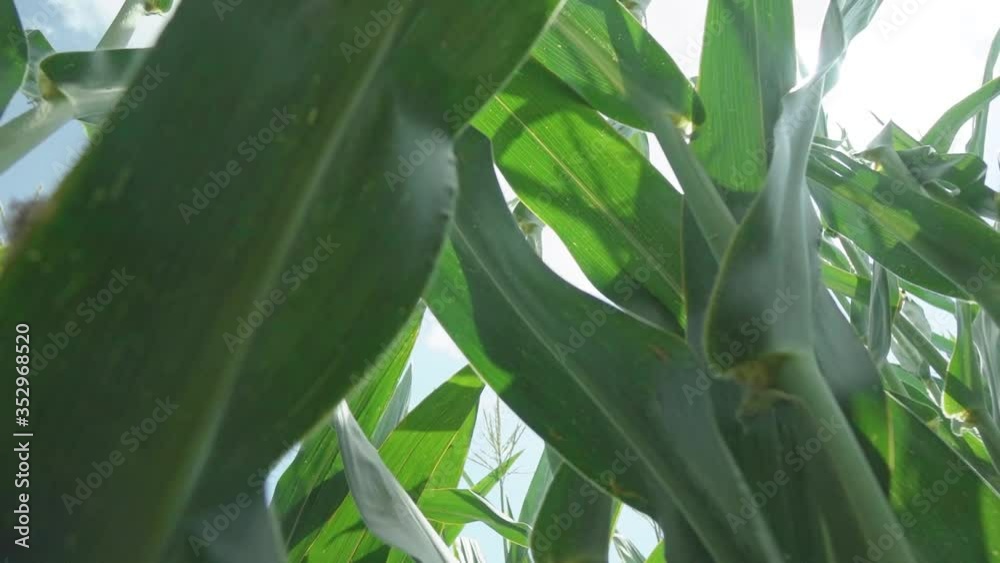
917,59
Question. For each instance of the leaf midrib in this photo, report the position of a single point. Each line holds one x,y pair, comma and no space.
651,467
594,200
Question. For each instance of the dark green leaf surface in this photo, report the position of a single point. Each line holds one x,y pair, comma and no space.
545,471
251,535
490,287
574,522
441,50
207,259
946,511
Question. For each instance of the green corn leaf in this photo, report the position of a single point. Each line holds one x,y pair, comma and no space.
919,239
386,509
314,482
941,135
486,484
977,142
481,71
205,259
894,137
545,471
964,397
582,49
881,313
779,229
857,15
657,556
747,66
615,212
833,255
13,53
251,534
28,130
82,85
92,81
862,265
395,410
771,259
956,179
482,488
963,384
946,510
460,507
573,523
530,225
760,444
426,451
986,335
488,289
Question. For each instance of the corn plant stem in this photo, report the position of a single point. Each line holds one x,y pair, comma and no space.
857,260
990,435
800,376
710,211
981,420
922,345
28,130
933,388
890,380
120,31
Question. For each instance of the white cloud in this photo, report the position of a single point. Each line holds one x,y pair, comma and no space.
86,16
